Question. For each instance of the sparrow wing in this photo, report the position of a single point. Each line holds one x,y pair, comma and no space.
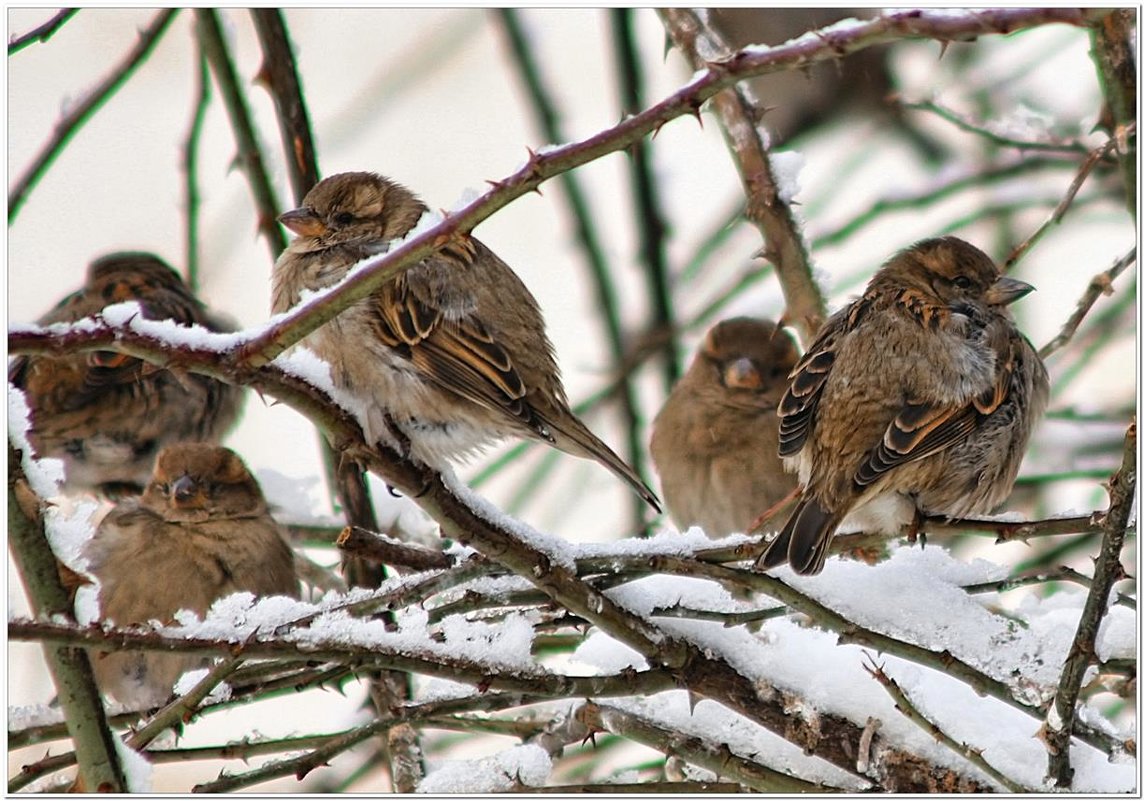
799,403
460,355
921,429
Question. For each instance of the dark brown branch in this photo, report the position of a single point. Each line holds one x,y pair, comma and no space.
70,124
377,547
279,74
42,33
535,681
767,209
1112,50
99,766
250,156
1061,717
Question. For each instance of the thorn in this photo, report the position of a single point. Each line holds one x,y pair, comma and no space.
262,77
944,47
693,700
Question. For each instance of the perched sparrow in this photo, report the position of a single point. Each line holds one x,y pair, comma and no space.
200,531
453,351
106,414
918,397
715,441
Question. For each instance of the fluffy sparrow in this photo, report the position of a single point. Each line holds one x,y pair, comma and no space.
715,441
107,415
200,531
918,397
453,351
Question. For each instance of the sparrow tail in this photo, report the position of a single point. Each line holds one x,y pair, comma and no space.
804,540
573,437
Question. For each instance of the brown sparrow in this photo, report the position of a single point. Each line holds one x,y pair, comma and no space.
453,351
200,531
107,415
715,441
918,397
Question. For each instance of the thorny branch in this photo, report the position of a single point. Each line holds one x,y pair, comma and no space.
42,33
1101,284
249,157
461,518
906,706
1062,715
767,208
290,328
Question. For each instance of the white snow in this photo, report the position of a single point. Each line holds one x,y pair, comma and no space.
787,165
44,475
529,765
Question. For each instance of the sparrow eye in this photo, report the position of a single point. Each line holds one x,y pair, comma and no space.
961,282
343,218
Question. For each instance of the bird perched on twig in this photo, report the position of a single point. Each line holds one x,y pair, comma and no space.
200,531
107,415
715,441
918,397
453,351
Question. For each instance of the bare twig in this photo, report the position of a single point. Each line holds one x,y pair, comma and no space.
1086,167
649,215
42,33
993,137
941,189
191,165
386,550
1061,718
1101,284
768,208
250,157
711,754
280,76
279,73
907,707
70,124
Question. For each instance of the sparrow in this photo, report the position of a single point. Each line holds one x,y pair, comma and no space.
107,415
917,398
200,531
715,441
453,351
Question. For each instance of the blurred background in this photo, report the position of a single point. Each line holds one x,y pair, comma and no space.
439,99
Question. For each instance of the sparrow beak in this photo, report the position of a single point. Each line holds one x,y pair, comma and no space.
741,374
1006,290
303,222
183,489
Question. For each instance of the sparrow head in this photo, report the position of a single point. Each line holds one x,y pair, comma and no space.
196,481
353,208
951,272
747,355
